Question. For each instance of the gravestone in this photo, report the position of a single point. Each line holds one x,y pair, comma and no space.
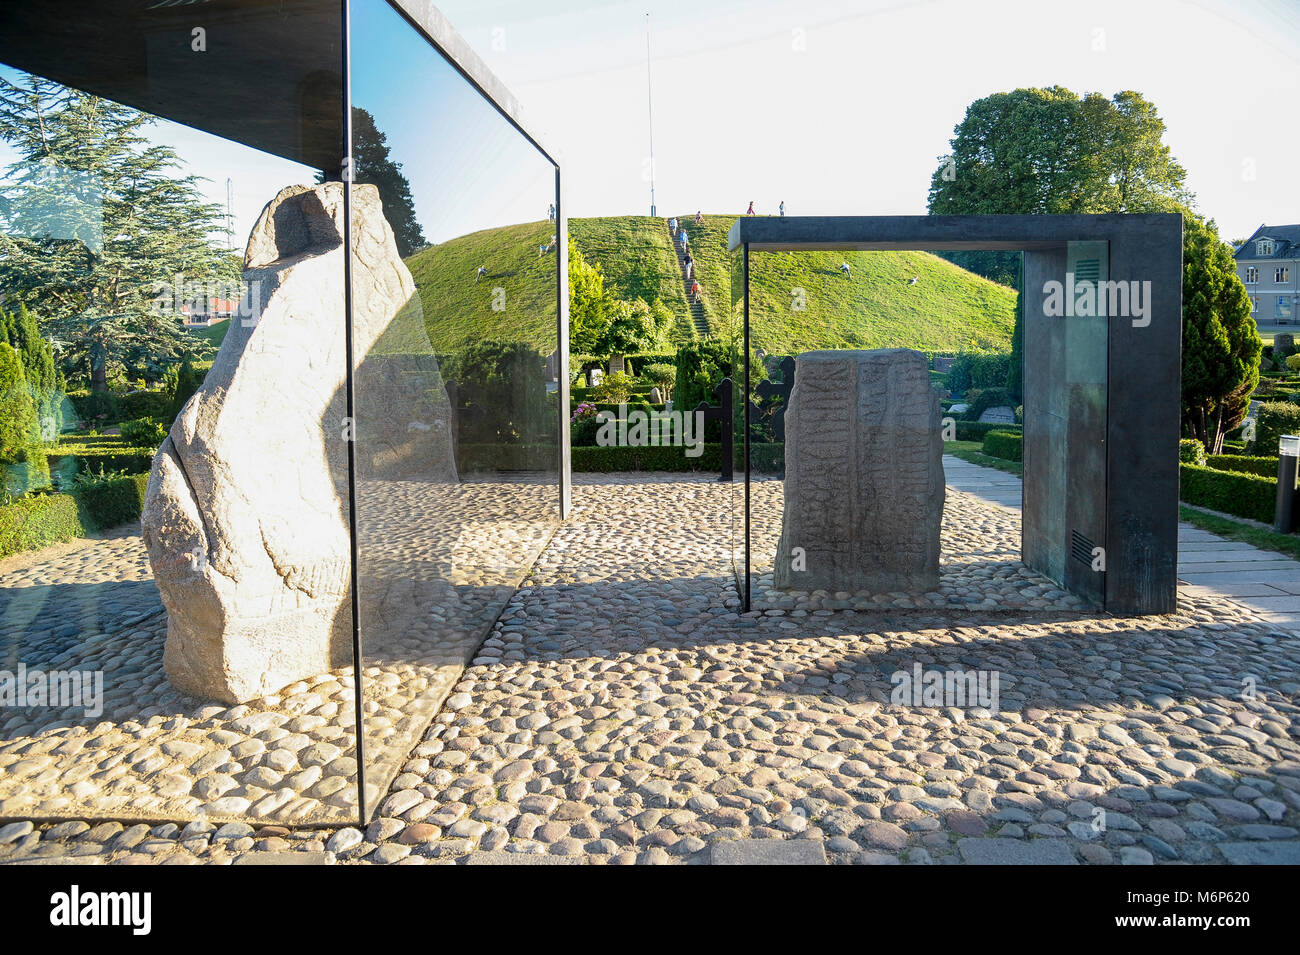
864,486
594,377
617,365
655,396
1002,414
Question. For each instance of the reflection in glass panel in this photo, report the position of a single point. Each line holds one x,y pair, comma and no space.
454,313
202,668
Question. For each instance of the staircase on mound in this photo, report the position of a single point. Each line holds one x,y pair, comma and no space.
698,318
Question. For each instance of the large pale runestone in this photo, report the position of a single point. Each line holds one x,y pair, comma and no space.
245,516
864,484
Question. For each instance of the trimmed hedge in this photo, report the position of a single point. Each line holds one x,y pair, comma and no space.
1243,464
1003,444
584,394
1245,495
975,430
1191,451
44,519
70,460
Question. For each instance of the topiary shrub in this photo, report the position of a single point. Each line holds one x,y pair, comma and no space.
1191,451
143,432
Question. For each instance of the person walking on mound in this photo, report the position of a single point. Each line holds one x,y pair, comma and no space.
482,273
782,208
750,211
844,267
690,264
695,291
699,217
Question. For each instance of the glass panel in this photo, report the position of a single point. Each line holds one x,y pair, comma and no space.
454,305
200,667
809,309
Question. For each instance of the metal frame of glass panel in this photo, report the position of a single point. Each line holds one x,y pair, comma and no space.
1133,505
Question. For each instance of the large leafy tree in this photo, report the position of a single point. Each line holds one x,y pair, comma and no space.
97,225
1049,151
1044,151
1221,343
588,321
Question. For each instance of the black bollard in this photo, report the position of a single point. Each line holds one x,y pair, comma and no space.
1288,448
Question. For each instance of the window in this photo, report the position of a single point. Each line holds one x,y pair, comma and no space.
1282,308
1254,306
1252,274
1264,247
1282,274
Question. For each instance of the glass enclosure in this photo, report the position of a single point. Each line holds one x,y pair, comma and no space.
280,377
851,501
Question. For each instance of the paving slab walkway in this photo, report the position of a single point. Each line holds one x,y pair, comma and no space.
1208,565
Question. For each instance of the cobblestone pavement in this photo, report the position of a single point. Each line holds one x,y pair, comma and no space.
623,711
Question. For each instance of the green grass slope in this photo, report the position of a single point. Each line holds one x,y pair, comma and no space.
635,255
458,310
947,309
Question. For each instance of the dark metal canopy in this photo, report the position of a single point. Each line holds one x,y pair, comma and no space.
947,233
269,73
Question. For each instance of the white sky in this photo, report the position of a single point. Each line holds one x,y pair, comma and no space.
853,123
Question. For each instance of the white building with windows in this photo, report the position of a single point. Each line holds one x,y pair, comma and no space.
1269,264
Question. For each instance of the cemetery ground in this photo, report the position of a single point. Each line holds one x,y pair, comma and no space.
623,711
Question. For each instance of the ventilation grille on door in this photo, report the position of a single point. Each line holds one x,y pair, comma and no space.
1087,270
1081,547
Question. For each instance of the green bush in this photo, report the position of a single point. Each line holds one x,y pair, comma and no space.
506,381
1274,419
1245,495
112,502
1003,444
1191,451
1263,466
38,521
980,400
189,379
149,404
979,370
582,433
67,461
613,388
975,430
143,433
43,519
